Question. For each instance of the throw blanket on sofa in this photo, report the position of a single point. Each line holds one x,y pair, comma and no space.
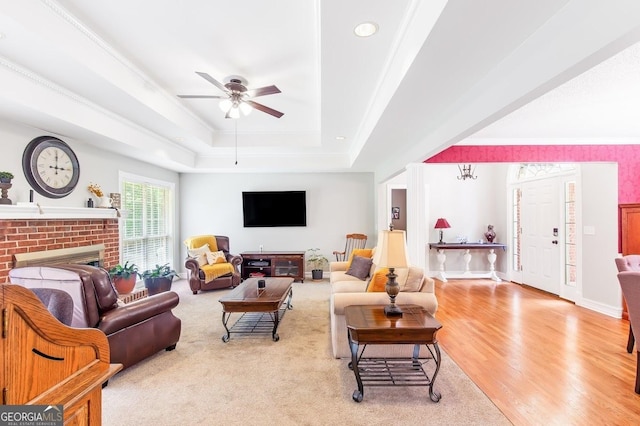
200,240
211,272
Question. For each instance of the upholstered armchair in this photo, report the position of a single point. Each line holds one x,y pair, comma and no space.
210,264
630,262
630,286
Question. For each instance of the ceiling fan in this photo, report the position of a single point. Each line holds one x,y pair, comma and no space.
237,97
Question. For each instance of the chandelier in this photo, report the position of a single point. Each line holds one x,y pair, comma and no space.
466,172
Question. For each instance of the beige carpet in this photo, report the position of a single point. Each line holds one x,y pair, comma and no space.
255,381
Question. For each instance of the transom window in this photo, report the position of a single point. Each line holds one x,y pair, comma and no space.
532,170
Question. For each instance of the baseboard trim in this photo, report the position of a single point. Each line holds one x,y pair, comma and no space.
612,311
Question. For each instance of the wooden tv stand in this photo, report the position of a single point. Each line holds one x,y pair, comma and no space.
273,264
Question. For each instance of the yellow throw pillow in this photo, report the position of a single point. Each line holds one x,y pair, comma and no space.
379,280
359,252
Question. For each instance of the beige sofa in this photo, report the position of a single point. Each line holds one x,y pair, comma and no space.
348,290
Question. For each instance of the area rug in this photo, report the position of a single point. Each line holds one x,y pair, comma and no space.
253,380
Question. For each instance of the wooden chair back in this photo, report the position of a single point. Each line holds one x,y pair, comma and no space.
354,241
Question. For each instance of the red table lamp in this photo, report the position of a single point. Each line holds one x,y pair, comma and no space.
441,224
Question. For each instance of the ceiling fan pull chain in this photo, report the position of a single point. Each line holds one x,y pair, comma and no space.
236,126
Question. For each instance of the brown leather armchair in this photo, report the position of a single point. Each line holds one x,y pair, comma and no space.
197,276
135,330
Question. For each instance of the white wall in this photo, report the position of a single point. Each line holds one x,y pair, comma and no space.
96,165
469,206
337,204
600,287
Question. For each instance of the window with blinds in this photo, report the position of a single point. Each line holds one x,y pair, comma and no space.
146,228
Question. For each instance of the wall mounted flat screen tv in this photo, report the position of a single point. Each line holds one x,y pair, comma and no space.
274,208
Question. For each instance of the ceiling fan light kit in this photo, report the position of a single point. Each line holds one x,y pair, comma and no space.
237,98
225,104
235,108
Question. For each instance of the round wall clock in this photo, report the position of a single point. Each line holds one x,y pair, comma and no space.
50,166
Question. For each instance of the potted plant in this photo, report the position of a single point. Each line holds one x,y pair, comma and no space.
158,279
124,277
5,177
317,261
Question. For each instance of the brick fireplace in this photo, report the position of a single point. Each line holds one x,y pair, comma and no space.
19,236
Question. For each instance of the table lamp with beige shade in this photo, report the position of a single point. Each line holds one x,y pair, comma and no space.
391,252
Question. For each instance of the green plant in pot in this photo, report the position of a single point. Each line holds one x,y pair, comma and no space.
5,177
158,279
317,262
124,277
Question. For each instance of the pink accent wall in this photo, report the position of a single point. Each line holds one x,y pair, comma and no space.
627,157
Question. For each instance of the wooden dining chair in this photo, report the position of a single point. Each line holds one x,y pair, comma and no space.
354,241
630,285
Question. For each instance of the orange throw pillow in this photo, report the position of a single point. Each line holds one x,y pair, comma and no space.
359,252
379,280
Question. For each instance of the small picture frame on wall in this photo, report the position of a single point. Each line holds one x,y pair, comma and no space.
115,200
395,212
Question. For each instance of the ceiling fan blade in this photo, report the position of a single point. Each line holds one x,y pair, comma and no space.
202,97
267,90
212,81
266,109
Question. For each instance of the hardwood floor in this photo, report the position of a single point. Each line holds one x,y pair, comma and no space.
540,359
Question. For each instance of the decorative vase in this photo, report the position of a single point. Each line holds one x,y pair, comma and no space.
158,284
490,235
4,187
124,285
104,202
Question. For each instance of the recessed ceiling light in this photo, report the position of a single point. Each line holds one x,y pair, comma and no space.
340,138
366,29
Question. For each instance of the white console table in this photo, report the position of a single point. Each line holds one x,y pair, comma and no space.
467,247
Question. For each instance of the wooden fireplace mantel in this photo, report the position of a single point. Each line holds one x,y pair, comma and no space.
36,211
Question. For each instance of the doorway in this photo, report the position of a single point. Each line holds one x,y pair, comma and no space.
545,215
540,235
399,208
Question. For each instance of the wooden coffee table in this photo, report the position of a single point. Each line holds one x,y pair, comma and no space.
368,325
262,309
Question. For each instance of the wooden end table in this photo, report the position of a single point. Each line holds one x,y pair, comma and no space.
368,325
261,308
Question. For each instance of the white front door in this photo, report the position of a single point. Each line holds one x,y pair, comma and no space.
541,234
